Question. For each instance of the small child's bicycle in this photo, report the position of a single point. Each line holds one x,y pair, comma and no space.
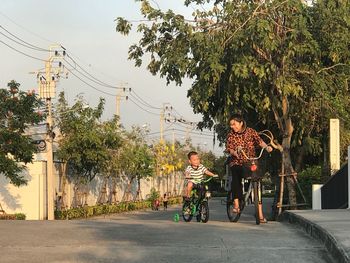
197,204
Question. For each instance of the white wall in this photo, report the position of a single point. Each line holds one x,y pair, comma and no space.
29,199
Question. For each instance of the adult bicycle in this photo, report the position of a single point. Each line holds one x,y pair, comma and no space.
252,173
197,205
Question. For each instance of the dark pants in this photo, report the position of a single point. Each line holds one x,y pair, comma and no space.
236,186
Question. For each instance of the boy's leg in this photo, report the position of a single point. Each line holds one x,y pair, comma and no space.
189,189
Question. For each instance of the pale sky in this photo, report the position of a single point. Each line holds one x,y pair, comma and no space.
86,28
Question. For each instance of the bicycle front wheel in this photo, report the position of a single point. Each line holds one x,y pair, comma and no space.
232,215
256,201
187,211
204,212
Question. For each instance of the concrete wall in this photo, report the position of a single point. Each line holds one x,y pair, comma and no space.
31,199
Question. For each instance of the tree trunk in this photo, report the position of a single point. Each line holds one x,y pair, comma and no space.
289,172
112,198
127,193
61,195
285,125
102,197
138,196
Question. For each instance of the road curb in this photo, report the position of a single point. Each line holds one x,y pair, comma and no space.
336,249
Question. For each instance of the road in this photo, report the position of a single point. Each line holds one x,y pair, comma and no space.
153,236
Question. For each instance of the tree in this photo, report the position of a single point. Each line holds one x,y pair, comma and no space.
18,110
262,57
113,140
136,160
83,144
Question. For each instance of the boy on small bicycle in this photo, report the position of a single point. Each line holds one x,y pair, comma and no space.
194,173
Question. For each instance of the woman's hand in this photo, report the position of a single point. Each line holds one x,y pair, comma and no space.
269,148
234,153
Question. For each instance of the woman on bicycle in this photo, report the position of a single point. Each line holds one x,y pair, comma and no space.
242,137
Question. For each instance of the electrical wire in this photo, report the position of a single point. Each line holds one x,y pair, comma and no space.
136,98
139,98
25,54
93,87
27,44
38,36
93,79
143,108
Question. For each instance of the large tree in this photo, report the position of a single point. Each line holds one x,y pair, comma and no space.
262,57
18,110
84,143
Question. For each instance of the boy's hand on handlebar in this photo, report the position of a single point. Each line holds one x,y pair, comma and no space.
215,176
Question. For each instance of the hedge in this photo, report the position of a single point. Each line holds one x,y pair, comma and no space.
97,210
17,216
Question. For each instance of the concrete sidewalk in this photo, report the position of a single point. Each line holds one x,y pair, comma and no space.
330,227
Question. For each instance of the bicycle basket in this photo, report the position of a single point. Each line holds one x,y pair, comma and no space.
251,171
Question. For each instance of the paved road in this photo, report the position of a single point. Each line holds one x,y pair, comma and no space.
152,236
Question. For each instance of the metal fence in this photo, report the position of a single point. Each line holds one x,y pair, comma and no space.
335,191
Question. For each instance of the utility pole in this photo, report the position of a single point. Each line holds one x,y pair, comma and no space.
47,89
121,94
166,109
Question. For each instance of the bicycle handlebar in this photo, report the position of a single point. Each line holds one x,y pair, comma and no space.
204,181
240,150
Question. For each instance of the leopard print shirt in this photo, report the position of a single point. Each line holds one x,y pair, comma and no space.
248,140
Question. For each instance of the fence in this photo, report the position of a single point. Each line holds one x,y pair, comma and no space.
335,191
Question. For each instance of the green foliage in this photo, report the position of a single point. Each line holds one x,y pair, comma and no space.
136,158
20,216
18,110
86,142
98,210
17,216
283,63
153,195
308,177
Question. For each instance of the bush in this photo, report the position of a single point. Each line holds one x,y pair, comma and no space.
17,216
97,210
308,177
154,195
20,216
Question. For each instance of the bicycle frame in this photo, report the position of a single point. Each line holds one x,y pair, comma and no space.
254,185
198,203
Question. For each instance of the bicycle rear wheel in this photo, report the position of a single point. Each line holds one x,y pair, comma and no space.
232,215
187,211
256,201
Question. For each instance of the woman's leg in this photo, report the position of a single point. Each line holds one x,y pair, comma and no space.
236,186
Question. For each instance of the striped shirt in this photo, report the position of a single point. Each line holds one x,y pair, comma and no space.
195,175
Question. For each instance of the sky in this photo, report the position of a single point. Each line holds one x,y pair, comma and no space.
86,28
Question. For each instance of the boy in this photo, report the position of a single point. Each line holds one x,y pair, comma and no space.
195,172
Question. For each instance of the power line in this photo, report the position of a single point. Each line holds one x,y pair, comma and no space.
191,132
93,79
144,102
110,94
25,54
38,36
27,45
143,108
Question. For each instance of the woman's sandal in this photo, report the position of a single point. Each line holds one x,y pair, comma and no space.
263,220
